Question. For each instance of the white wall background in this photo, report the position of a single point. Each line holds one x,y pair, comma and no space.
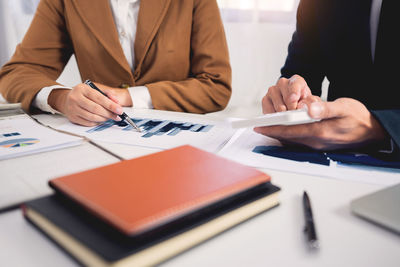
257,52
15,17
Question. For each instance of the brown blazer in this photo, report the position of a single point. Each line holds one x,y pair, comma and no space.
181,53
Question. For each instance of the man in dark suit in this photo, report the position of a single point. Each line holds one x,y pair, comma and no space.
353,43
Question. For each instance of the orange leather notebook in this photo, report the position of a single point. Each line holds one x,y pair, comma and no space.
141,194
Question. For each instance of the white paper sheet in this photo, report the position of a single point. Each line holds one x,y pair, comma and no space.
240,148
160,129
20,135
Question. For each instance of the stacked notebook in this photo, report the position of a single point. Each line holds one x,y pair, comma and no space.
143,211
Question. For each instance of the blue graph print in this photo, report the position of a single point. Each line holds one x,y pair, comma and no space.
303,154
9,134
153,127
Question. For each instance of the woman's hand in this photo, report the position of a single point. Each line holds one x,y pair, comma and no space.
122,96
86,106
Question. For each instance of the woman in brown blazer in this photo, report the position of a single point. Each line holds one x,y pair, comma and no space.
180,56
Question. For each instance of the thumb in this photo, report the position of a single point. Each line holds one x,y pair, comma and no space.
326,110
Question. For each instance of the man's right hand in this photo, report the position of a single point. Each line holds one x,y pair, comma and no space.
85,106
285,95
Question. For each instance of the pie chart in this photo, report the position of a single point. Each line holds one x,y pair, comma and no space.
20,142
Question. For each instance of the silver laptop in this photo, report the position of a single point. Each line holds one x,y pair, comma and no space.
381,207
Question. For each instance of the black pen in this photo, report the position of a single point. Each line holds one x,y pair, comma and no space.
309,228
123,116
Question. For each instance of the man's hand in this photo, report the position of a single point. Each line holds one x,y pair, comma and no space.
345,123
84,105
285,95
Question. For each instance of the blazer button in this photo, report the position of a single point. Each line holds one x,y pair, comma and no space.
124,85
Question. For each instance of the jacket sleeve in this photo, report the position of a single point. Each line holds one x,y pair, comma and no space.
208,87
390,120
40,58
304,52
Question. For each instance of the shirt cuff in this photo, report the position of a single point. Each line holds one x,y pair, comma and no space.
389,148
140,97
41,99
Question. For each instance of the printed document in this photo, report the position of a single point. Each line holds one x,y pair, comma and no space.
160,129
20,135
247,147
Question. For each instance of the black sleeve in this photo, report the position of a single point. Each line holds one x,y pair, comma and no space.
304,52
390,120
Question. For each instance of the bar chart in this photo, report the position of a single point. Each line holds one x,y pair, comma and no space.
9,134
154,127
160,130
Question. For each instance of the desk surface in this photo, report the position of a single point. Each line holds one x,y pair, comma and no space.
274,238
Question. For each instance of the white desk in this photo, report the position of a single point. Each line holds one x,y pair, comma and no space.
274,238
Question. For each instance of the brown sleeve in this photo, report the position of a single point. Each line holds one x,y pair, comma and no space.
40,58
208,88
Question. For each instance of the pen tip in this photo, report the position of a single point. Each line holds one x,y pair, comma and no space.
314,244
131,123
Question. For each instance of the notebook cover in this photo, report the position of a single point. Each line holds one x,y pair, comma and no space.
143,193
112,245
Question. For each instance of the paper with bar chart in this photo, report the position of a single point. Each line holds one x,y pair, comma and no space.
160,129
21,135
256,150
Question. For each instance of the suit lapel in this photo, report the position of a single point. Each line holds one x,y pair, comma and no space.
97,15
151,14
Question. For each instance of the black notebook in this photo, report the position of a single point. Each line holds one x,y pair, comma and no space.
93,242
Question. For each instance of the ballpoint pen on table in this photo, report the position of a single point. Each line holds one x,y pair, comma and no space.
123,116
310,226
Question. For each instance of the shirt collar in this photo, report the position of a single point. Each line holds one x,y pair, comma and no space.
128,1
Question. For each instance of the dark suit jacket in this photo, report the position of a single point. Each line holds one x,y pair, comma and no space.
332,40
181,52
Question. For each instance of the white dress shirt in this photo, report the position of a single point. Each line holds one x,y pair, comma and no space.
125,14
374,23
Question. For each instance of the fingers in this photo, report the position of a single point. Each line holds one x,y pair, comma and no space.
276,98
112,96
286,94
88,107
273,100
267,105
345,123
92,111
104,102
295,90
119,96
108,91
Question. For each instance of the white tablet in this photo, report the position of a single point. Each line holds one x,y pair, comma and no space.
291,117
